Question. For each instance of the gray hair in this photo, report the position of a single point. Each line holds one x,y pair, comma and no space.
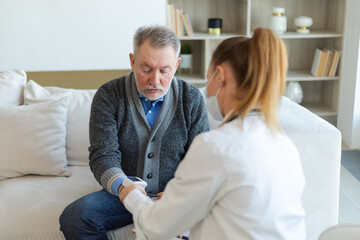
159,37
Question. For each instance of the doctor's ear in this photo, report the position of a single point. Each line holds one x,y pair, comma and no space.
220,73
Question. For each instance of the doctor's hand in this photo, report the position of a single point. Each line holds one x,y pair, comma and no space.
124,191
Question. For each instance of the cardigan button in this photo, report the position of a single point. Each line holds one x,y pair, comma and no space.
149,175
150,155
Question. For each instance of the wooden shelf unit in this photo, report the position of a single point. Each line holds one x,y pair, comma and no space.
241,17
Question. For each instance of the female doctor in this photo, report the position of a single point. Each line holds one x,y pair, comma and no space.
244,179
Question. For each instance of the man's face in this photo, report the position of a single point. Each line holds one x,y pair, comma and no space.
154,69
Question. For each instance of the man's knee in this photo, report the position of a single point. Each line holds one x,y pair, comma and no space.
74,215
93,213
68,218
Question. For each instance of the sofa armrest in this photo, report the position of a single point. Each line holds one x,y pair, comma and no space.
319,146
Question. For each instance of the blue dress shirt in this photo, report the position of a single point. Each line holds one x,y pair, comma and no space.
151,109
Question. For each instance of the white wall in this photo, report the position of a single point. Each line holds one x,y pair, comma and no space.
349,109
49,35
357,105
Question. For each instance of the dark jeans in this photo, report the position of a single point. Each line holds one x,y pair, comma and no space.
92,215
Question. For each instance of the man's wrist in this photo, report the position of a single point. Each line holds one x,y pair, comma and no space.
116,185
120,188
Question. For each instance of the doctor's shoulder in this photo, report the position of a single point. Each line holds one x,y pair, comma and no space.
218,136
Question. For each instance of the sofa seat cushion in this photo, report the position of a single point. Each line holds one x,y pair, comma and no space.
31,205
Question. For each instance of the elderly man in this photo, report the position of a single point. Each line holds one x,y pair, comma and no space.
141,125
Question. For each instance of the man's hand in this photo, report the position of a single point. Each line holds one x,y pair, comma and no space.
124,191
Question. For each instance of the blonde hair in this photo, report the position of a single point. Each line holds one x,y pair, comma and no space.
260,65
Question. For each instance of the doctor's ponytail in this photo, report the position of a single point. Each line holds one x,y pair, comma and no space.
268,63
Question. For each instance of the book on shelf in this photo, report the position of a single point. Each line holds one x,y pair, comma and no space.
325,62
330,60
170,16
318,62
334,63
187,24
178,21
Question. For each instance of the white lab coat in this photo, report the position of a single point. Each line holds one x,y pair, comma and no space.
234,183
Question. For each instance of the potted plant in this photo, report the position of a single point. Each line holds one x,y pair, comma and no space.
186,56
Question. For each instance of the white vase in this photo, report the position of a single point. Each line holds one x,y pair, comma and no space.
294,91
186,61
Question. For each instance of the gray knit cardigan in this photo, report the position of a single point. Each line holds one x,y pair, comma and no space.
122,143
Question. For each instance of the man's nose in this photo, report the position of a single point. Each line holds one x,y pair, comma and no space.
155,78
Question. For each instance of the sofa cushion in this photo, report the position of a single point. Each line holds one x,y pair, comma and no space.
12,84
77,126
30,206
32,139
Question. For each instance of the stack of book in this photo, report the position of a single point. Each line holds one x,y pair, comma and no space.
325,62
177,21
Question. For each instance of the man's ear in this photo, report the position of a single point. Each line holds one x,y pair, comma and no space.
177,64
132,60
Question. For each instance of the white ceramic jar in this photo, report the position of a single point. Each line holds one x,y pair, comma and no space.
278,22
303,23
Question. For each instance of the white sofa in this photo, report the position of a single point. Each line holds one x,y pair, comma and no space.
44,159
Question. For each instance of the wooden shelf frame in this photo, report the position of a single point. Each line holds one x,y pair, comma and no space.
241,17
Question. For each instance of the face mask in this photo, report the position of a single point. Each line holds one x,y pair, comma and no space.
212,104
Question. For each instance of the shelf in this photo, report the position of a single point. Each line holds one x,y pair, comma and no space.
305,75
286,35
312,34
203,36
192,79
293,75
319,109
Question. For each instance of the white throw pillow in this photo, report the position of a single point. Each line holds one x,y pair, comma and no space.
77,138
32,139
12,84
